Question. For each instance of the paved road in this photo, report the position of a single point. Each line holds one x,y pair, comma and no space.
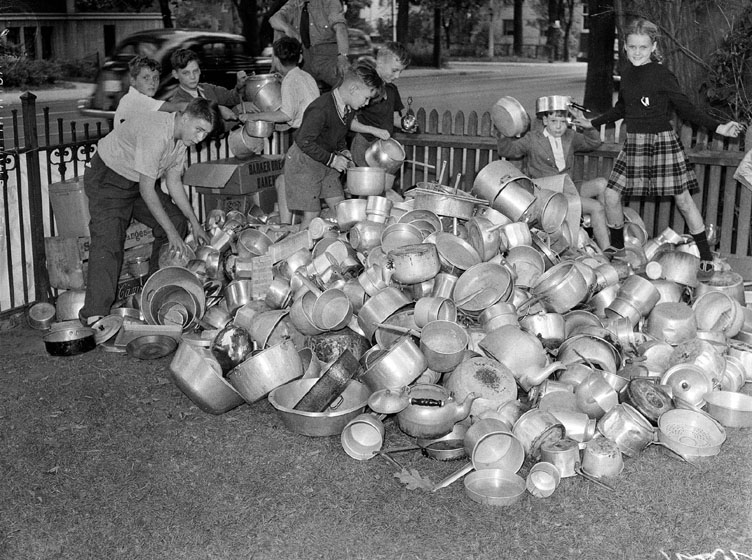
462,86
476,87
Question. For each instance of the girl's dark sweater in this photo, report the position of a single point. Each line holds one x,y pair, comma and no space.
648,96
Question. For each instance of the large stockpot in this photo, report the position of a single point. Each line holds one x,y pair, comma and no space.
729,282
640,292
506,188
679,267
483,285
483,237
199,376
536,428
510,117
443,343
264,91
396,367
629,429
672,322
366,181
258,375
561,287
549,210
386,154
719,311
590,349
379,307
350,212
412,264
442,203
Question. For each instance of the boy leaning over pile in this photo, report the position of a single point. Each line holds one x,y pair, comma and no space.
319,152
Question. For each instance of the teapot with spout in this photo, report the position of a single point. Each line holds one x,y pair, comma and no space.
432,411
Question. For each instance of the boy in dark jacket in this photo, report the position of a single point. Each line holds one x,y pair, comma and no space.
319,154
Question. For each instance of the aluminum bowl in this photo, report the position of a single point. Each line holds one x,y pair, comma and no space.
345,408
733,410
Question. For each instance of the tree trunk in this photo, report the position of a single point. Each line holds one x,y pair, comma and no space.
518,27
491,39
403,18
248,14
437,36
599,85
164,7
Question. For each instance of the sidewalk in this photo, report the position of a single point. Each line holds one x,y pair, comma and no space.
75,90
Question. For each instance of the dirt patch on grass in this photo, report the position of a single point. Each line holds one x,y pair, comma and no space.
103,457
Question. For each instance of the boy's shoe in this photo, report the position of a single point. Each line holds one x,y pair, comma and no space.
88,321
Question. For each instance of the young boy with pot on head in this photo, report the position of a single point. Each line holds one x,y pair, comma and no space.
376,120
144,76
652,161
186,70
120,183
299,89
550,151
319,154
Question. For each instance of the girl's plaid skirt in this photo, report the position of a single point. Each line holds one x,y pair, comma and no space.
652,164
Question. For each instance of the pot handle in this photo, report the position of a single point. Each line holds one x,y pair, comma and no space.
427,402
674,451
681,403
455,476
593,479
337,402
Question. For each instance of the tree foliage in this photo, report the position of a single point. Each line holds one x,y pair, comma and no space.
116,5
729,85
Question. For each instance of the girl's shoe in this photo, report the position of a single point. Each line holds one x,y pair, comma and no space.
707,269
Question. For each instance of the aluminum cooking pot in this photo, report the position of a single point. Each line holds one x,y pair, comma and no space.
561,287
396,367
366,181
510,117
259,129
552,103
412,264
264,91
386,154
506,188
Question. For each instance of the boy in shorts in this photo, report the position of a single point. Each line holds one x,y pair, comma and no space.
144,75
319,154
299,89
550,151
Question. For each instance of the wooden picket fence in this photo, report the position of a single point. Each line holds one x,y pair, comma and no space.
468,143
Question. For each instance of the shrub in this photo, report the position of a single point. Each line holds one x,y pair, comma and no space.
421,54
20,71
83,69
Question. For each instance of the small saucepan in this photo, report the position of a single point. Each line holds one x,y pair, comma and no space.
70,342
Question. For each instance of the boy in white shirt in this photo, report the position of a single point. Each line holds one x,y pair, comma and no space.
144,75
298,90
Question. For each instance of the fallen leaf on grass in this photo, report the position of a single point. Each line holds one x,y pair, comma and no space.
53,470
413,480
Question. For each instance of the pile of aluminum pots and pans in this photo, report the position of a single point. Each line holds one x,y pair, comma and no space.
576,348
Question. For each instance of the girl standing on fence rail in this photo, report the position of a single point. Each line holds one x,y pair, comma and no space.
652,161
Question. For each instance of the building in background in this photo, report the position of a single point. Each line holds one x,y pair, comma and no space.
53,29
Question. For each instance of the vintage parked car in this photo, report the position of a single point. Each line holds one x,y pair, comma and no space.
221,55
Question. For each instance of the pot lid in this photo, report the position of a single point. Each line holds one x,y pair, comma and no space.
106,328
389,401
151,347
